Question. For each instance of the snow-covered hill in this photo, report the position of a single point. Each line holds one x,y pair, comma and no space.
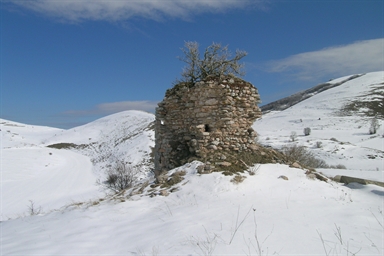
278,211
291,100
127,136
35,167
339,135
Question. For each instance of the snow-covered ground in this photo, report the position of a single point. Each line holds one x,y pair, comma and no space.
49,178
335,138
126,135
210,215
205,214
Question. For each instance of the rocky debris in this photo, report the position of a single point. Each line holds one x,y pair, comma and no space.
164,192
223,164
321,177
238,179
313,174
348,179
296,165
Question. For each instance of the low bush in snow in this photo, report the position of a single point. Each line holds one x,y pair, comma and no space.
307,131
121,176
306,158
374,126
293,136
338,166
302,155
33,209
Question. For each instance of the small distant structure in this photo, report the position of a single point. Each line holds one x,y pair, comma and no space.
208,121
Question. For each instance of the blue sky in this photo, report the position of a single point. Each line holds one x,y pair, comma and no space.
67,62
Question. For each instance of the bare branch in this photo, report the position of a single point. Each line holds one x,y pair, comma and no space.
217,61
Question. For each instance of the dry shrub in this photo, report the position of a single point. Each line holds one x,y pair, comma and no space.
303,156
121,176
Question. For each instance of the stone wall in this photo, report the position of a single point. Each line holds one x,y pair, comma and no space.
205,121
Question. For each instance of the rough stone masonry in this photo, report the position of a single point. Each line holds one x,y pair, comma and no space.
205,120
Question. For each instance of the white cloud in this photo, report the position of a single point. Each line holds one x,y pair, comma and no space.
114,107
116,10
358,57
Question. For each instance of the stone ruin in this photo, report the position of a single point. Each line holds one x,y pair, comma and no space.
208,121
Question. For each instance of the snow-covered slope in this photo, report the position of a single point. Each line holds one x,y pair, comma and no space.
127,136
15,134
291,100
35,172
47,178
210,215
338,136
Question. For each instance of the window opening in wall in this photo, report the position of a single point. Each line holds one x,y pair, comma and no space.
207,128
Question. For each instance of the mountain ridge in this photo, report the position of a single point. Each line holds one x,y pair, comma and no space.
298,97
